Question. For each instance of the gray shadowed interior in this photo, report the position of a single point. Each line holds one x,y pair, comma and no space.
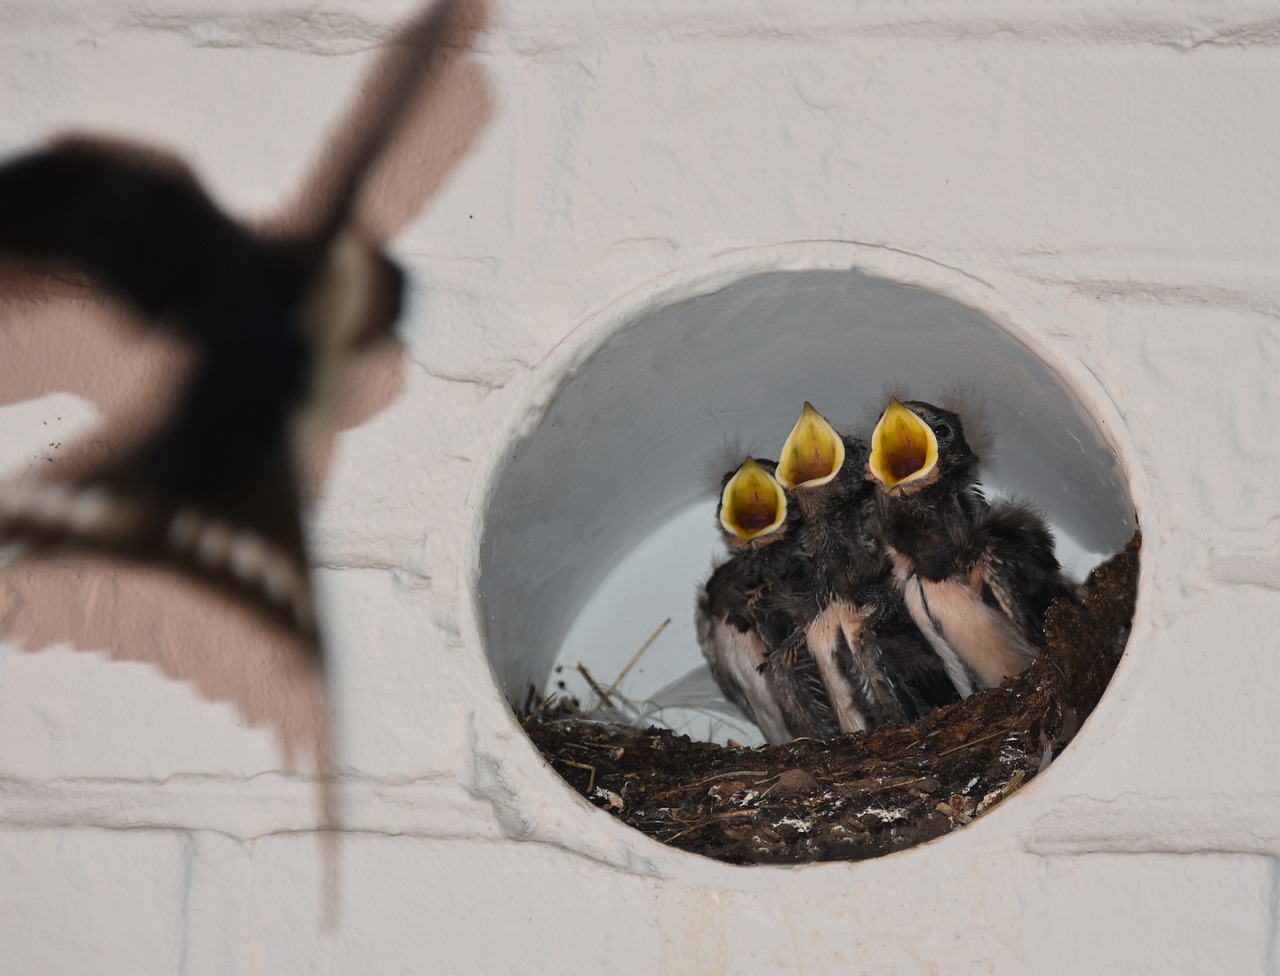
645,427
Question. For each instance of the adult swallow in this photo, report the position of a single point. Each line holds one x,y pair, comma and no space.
976,576
873,663
213,490
751,603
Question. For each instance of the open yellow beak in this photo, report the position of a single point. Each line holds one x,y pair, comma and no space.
753,503
904,449
812,454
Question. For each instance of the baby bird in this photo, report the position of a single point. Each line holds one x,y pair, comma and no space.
748,607
873,663
977,576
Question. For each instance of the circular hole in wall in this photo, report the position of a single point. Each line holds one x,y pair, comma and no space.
599,525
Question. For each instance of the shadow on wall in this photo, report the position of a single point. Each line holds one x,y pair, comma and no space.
59,336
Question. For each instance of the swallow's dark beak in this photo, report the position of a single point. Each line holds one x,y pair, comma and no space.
753,504
904,451
812,454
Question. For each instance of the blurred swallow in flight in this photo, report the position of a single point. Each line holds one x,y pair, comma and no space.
213,490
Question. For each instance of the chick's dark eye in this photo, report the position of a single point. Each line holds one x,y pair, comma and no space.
942,430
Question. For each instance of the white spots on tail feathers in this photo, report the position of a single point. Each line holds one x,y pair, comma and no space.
89,512
247,552
213,542
965,632
93,514
247,558
277,580
88,508
50,504
184,530
822,636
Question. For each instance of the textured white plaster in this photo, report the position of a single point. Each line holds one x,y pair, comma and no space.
1166,771
395,664
410,907
216,917
244,810
84,901
1154,914
70,713
1098,178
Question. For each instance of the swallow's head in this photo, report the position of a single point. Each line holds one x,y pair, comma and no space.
354,297
753,506
916,445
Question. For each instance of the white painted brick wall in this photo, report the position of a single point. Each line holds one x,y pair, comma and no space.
1110,170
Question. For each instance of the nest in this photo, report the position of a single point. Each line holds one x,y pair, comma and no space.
861,795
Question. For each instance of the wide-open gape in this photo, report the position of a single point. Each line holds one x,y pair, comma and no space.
813,452
904,450
752,503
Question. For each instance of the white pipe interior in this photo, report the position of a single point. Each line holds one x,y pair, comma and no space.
601,523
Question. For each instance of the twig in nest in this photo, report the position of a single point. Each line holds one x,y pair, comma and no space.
636,656
591,783
600,693
974,742
729,775
536,710
701,825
